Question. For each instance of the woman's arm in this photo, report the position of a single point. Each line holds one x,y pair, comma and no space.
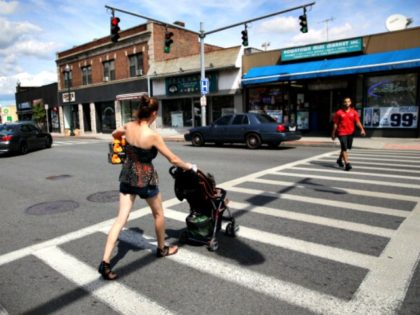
118,133
168,154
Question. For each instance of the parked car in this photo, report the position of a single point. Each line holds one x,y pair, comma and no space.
22,137
253,129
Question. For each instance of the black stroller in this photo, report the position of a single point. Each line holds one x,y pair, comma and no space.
207,205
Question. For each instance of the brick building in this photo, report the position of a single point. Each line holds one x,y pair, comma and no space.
99,82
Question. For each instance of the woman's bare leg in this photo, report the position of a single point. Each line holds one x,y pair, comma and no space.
126,203
155,204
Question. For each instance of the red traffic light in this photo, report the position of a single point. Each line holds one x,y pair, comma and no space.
115,29
115,21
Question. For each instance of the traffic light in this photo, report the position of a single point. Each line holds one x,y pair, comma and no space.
115,29
168,42
303,23
245,37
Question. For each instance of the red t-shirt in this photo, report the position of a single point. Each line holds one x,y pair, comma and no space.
345,121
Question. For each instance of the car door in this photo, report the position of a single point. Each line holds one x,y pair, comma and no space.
28,136
39,139
238,127
218,130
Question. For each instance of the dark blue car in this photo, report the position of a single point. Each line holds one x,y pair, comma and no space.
22,137
253,129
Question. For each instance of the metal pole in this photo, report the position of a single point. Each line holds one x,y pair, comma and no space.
203,100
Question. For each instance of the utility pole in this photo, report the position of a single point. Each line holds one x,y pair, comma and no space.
326,24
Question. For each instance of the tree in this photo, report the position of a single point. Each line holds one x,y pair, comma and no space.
38,114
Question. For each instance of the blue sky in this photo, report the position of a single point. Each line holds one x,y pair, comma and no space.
33,31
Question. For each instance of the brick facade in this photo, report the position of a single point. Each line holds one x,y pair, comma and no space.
147,39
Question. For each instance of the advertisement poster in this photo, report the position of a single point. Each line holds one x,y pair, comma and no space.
391,117
302,120
177,120
276,114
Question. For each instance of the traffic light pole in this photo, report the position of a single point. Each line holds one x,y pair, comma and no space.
202,35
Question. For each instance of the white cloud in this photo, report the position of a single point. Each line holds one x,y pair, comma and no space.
8,83
281,24
35,48
13,31
8,7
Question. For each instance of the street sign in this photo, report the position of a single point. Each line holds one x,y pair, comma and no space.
204,84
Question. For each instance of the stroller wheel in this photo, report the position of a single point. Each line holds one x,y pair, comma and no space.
231,230
213,245
183,238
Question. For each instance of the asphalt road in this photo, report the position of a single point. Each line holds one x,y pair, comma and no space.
313,238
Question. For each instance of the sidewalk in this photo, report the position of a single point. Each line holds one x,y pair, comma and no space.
359,142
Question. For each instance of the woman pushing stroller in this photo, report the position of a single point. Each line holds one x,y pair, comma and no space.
139,177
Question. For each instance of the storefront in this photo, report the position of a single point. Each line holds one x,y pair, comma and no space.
178,88
383,86
101,109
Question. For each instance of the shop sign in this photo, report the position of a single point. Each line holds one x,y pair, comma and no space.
326,49
391,117
190,84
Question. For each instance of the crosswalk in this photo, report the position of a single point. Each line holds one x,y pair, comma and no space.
61,143
354,236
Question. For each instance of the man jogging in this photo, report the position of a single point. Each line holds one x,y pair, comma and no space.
344,120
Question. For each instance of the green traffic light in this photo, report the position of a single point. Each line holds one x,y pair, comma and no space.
167,49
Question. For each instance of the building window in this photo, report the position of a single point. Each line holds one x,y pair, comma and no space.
109,70
87,75
68,79
136,65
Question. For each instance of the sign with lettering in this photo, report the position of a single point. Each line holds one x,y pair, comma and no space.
190,84
326,49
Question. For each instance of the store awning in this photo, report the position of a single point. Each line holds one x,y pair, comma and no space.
392,60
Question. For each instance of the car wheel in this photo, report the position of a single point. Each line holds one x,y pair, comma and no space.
48,142
23,149
253,141
197,140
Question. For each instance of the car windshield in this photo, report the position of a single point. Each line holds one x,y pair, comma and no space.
6,129
264,118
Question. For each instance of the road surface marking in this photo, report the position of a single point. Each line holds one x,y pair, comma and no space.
26,251
403,166
320,201
339,189
374,168
313,249
392,156
352,180
335,171
313,219
114,294
255,281
388,282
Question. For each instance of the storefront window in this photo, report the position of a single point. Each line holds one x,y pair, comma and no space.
271,100
128,110
391,102
177,113
222,105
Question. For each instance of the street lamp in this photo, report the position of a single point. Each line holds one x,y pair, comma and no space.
67,72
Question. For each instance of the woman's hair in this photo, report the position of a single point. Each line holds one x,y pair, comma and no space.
147,106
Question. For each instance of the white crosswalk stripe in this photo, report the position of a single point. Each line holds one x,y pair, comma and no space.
380,292
76,142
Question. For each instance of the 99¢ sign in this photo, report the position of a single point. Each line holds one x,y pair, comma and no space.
391,117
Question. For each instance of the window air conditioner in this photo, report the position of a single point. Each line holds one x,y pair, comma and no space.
106,79
139,72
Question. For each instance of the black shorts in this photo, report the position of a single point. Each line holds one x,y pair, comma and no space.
143,192
346,142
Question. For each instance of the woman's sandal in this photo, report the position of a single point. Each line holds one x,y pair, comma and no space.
105,270
165,251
